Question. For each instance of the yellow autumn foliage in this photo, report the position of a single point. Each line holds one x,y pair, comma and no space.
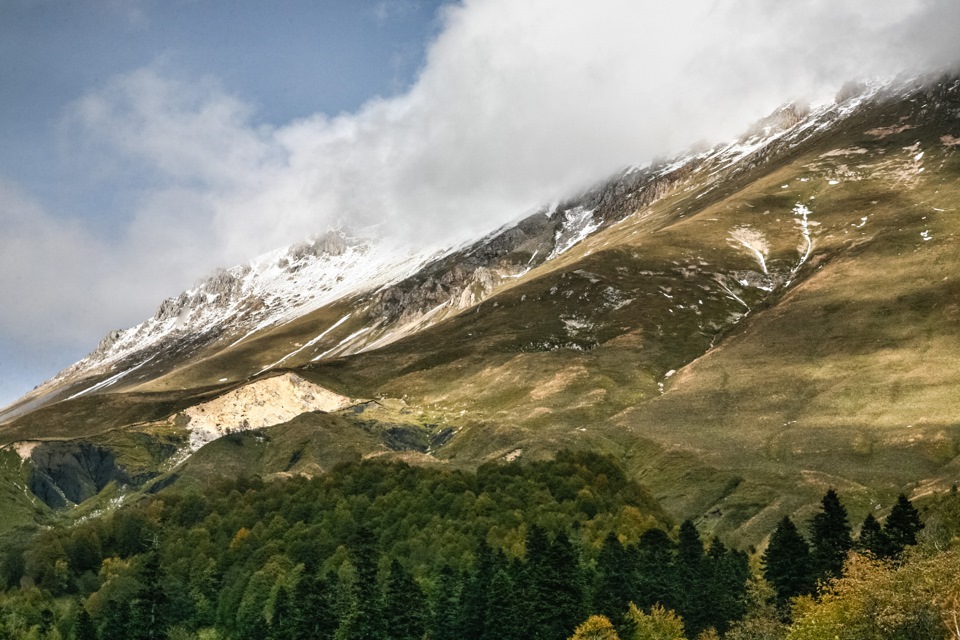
917,598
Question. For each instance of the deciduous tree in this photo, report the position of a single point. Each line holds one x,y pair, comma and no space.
595,628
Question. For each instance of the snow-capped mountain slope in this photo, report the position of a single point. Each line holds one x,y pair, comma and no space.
743,325
235,303
398,290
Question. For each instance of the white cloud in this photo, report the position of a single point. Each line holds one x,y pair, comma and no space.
41,294
518,103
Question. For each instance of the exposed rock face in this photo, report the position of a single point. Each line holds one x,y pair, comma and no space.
782,119
259,404
225,289
401,296
332,243
850,90
69,472
108,341
469,276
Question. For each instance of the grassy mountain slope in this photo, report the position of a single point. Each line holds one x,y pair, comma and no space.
841,378
752,337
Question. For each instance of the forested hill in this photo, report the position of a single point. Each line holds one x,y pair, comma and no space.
386,551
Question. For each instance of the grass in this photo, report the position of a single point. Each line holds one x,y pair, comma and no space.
846,379
639,343
19,508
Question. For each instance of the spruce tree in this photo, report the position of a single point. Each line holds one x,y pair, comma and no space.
726,590
872,539
655,570
476,592
786,563
445,606
534,578
689,545
282,622
614,584
149,608
85,629
404,606
313,616
553,592
830,538
502,620
115,621
691,580
567,591
363,620
902,526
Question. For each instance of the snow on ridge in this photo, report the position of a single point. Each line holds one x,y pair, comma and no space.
578,223
286,283
271,289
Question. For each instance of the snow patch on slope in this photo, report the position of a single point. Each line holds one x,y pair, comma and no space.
578,223
270,290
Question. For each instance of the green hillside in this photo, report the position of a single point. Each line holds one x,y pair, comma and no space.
764,330
841,378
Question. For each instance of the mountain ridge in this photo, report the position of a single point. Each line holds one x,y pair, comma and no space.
184,320
624,317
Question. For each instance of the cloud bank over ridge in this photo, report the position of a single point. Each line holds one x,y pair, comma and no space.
517,103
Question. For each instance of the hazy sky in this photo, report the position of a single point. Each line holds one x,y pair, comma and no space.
145,142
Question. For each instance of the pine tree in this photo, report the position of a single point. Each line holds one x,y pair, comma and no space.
85,629
872,539
614,583
691,577
404,606
902,526
502,620
786,563
655,570
830,538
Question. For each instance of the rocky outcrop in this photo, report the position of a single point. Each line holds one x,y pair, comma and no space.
471,275
258,404
785,117
332,243
71,472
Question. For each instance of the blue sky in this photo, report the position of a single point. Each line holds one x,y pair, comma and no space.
144,143
290,59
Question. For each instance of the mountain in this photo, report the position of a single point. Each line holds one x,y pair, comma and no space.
743,326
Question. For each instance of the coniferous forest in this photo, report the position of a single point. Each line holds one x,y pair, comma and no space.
568,548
